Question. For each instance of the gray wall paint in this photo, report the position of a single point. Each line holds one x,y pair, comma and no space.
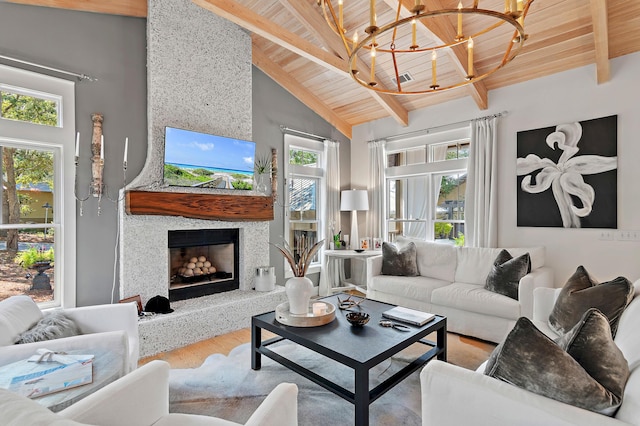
274,107
113,49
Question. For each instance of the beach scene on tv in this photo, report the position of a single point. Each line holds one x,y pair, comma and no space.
207,161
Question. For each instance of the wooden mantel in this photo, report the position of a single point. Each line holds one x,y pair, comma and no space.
235,208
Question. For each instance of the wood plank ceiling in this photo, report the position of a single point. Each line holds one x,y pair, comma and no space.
294,46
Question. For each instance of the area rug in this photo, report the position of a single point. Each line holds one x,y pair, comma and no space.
227,387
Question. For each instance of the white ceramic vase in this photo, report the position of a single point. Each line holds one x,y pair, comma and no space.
299,290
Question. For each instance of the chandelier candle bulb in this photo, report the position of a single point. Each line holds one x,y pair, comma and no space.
470,64
414,44
507,6
459,21
434,58
372,13
373,64
340,15
514,6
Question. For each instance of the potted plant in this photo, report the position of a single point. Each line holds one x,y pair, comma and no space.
299,288
39,259
262,171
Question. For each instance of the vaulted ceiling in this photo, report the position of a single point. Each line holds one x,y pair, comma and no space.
294,46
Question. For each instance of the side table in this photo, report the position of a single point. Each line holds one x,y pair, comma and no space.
333,279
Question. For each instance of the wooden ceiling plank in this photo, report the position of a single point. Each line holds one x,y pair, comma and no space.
134,8
257,24
291,85
314,21
601,39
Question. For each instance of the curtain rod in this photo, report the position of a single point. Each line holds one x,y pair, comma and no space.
44,67
430,129
285,129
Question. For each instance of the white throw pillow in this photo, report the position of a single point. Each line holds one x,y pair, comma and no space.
17,314
435,260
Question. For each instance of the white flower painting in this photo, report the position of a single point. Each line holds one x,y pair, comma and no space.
567,175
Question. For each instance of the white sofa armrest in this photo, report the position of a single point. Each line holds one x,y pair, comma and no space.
113,317
373,267
114,341
541,277
456,396
280,408
139,398
543,301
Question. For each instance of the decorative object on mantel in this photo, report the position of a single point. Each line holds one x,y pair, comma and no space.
299,288
567,175
400,49
262,172
97,188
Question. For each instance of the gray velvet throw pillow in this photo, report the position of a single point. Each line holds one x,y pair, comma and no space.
504,277
400,261
527,358
582,292
54,325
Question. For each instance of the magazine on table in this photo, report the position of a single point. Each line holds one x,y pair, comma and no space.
37,377
410,316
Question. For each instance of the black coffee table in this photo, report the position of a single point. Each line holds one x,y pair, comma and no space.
360,348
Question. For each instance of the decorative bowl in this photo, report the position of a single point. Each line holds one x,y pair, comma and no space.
357,319
358,250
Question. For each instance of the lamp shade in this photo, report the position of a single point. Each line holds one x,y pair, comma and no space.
355,199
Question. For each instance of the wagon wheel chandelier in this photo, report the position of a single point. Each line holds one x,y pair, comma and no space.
401,56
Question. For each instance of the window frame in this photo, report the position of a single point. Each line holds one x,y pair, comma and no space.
431,169
61,141
304,172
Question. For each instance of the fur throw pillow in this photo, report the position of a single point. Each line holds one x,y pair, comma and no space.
54,325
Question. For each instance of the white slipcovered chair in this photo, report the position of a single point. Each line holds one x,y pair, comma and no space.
141,398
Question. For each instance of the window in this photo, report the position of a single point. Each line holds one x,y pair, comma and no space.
425,185
37,212
305,183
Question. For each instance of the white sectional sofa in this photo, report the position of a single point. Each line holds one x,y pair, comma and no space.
451,283
482,400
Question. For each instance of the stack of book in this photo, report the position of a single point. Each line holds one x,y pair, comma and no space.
410,316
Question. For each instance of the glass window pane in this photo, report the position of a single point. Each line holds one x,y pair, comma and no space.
303,199
32,109
417,155
450,151
408,198
27,193
301,157
451,190
301,236
29,269
395,159
448,232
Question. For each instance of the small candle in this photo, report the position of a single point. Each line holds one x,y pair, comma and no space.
434,57
355,44
470,64
126,149
459,21
319,309
77,144
102,147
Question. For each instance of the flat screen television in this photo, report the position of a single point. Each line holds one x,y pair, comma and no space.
207,161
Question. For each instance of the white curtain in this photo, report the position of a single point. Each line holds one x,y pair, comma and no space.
332,167
377,164
481,204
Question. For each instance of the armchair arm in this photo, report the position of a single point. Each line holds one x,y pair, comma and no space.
373,267
117,316
140,398
482,400
541,277
280,408
543,301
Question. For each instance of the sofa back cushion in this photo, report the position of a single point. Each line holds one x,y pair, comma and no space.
434,260
537,255
474,264
17,315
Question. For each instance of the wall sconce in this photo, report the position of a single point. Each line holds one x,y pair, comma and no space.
97,188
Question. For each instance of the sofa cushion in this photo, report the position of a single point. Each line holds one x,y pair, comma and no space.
529,359
582,292
506,272
399,260
474,264
537,255
414,288
54,325
435,260
475,298
17,314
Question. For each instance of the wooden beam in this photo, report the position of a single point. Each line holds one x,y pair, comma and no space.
291,85
316,24
237,208
134,8
257,24
599,16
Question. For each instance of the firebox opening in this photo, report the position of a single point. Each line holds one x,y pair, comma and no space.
202,262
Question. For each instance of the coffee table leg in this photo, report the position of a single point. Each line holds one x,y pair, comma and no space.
362,397
442,342
256,341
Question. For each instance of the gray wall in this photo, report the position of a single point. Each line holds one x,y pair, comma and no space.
274,107
113,49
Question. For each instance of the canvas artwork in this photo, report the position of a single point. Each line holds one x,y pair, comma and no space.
567,175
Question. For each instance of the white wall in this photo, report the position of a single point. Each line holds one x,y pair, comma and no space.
569,96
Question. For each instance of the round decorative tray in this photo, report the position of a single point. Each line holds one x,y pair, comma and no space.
309,319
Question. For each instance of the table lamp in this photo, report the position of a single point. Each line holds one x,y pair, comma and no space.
354,200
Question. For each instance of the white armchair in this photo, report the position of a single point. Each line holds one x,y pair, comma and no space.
141,398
